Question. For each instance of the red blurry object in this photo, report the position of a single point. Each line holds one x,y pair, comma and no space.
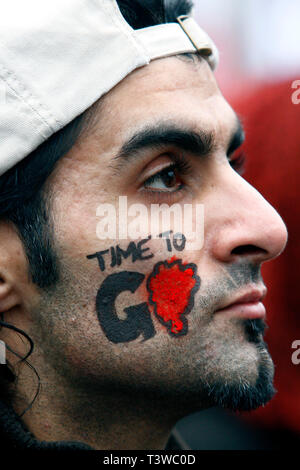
272,125
171,286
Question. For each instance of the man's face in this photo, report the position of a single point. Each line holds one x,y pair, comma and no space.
172,342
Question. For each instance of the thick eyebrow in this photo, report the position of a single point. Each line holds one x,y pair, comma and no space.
199,143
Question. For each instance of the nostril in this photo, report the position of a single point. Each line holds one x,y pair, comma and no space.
248,250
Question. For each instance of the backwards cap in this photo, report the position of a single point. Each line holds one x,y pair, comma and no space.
59,57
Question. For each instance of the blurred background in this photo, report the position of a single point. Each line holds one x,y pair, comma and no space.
259,45
258,41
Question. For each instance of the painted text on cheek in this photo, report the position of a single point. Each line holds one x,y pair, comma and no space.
171,288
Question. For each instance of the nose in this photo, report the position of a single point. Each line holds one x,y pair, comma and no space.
246,225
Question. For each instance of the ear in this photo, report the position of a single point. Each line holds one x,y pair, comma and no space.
17,293
9,298
14,280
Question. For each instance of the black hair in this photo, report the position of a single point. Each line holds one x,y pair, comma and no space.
23,197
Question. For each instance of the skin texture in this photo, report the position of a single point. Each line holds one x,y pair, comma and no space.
128,395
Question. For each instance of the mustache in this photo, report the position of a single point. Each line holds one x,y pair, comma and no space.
231,279
242,273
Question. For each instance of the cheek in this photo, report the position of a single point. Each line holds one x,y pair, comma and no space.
172,286
143,282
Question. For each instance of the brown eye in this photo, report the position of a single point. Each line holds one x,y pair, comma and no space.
165,180
169,178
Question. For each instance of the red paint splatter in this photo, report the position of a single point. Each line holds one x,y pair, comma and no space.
171,286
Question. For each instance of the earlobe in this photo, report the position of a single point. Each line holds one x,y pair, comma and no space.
8,296
14,284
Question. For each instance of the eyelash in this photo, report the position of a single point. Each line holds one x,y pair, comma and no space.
180,164
183,167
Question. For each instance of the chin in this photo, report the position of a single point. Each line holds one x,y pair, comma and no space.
247,383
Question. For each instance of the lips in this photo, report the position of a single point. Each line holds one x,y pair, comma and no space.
248,305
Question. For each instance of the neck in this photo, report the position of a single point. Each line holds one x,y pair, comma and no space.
108,420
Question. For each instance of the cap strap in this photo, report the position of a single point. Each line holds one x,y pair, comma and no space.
176,38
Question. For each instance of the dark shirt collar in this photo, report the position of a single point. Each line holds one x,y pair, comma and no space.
14,435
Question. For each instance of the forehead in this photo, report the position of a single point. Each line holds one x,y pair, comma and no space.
176,88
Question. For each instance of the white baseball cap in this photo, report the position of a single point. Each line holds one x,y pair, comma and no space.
58,57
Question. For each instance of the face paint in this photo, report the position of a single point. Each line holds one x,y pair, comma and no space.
138,321
172,287
178,240
117,254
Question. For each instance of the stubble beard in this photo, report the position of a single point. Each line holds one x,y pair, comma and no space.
182,375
